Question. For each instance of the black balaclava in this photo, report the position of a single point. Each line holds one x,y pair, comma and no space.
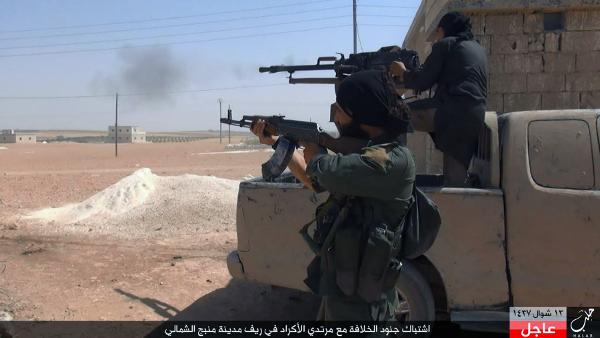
457,24
368,97
352,130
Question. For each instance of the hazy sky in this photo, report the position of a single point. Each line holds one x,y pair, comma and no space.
188,45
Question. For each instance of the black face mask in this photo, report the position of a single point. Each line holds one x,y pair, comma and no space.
352,130
457,24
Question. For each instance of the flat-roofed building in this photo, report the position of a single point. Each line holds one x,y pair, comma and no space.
12,136
126,134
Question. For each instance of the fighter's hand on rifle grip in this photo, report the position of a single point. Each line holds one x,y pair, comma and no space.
258,129
310,150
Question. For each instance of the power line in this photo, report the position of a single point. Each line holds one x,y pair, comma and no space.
139,94
176,34
386,16
169,26
359,40
54,97
166,18
383,25
389,6
191,41
171,35
358,33
172,43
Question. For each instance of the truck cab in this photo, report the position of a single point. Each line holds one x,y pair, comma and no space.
527,237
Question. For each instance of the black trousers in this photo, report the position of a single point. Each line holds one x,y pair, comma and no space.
455,172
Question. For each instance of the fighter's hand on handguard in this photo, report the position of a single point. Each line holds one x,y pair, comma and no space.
258,129
397,70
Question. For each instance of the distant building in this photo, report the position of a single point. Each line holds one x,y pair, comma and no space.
10,136
126,134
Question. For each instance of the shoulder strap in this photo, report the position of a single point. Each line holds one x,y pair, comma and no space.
315,247
399,233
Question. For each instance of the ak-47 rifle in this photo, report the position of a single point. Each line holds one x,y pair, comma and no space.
343,67
291,133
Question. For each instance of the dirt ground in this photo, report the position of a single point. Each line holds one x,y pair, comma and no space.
92,277
42,175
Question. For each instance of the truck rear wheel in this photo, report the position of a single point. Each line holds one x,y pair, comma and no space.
415,295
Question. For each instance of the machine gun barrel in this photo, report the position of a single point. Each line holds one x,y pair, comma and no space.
343,67
302,68
291,69
314,80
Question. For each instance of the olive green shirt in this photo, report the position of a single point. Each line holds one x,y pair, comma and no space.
381,176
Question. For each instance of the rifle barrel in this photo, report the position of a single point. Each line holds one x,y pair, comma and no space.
240,123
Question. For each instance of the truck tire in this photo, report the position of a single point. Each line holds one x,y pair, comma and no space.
416,298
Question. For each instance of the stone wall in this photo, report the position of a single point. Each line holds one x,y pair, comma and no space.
532,69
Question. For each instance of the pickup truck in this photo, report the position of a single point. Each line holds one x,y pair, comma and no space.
530,236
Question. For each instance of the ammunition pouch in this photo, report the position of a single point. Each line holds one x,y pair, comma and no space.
354,259
377,254
320,273
347,247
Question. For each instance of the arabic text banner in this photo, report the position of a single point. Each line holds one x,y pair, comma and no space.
538,322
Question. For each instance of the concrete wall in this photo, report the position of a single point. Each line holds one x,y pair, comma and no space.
530,68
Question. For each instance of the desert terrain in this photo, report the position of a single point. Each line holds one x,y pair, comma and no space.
85,235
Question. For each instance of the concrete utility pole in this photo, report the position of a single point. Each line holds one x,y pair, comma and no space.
116,123
220,124
229,118
354,23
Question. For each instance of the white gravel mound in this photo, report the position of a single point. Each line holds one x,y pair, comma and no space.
147,205
120,198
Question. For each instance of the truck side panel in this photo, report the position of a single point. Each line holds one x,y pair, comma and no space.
272,215
468,252
551,174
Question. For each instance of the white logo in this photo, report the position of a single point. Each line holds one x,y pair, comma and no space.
578,324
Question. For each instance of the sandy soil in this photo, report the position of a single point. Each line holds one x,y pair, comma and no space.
42,175
92,276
